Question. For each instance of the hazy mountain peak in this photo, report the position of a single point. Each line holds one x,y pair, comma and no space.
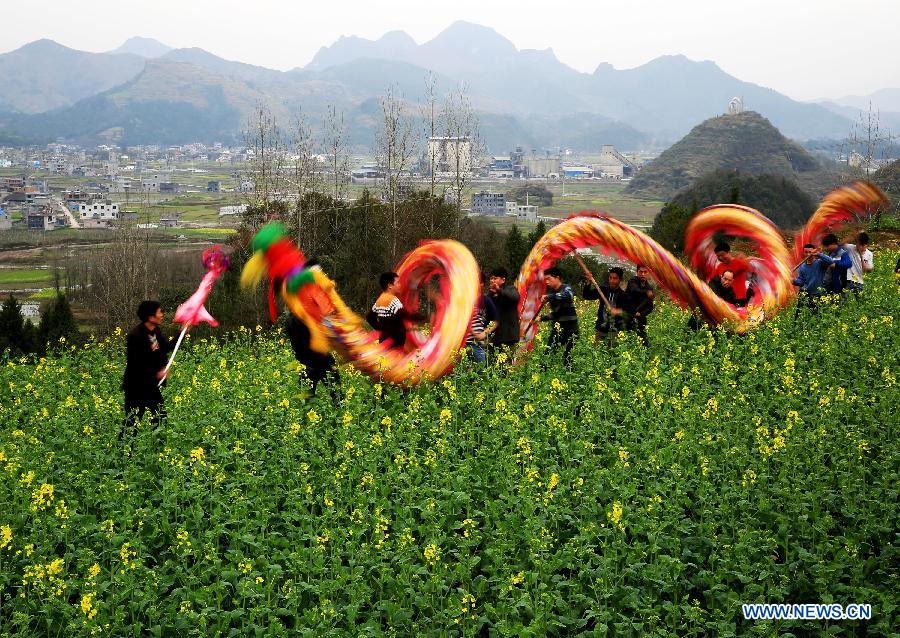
678,61
464,48
144,47
43,46
397,37
887,99
466,34
393,45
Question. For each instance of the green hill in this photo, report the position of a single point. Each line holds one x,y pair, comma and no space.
747,142
44,75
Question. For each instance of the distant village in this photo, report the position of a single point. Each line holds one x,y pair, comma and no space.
107,183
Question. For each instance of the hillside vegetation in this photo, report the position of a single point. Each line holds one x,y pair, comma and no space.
775,196
887,178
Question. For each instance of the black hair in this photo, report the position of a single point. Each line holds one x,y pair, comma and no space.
639,266
615,270
829,239
723,245
147,309
863,238
553,272
311,263
809,245
500,272
386,279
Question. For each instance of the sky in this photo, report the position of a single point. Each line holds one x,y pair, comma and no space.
806,49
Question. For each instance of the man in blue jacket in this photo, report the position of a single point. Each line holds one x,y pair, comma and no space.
839,263
821,273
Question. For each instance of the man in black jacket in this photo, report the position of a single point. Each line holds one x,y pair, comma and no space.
610,321
506,300
563,317
640,302
145,361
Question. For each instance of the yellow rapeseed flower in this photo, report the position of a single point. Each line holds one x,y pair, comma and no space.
432,554
42,497
87,605
127,555
614,516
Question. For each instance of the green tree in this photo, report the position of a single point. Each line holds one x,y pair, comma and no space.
668,227
57,322
537,233
536,194
517,249
16,334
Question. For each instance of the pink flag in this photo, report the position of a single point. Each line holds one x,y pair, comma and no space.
192,312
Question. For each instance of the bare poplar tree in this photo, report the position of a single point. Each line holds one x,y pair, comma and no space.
266,143
870,138
335,144
393,150
122,274
430,114
305,178
463,141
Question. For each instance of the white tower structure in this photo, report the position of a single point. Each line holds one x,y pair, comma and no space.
735,106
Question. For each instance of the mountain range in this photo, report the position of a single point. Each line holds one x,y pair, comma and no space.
147,92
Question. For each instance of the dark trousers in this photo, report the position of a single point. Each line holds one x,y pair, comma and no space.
563,337
638,325
695,322
808,301
136,409
322,373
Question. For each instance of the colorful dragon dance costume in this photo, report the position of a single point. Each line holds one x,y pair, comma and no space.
311,295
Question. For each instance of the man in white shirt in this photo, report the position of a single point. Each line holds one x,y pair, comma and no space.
863,262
